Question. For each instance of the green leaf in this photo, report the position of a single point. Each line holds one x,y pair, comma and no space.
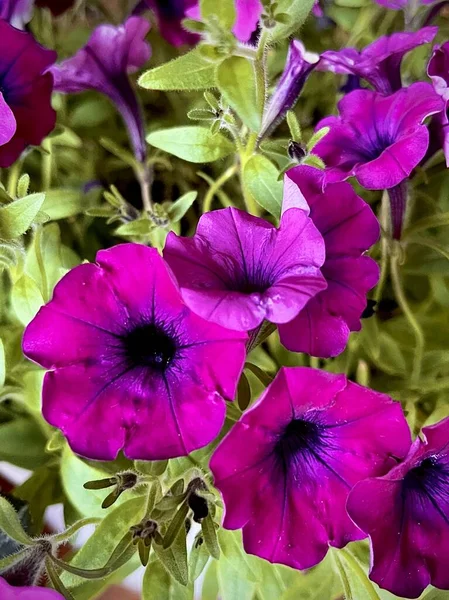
260,176
100,547
297,10
10,524
294,126
23,185
16,218
231,546
135,228
243,392
199,555
61,203
179,208
26,299
236,81
174,559
223,10
188,72
40,490
153,467
22,443
194,144
314,161
177,523
2,364
231,583
317,137
356,584
74,473
210,536
56,581
158,585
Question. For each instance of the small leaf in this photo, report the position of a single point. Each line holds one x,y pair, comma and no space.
355,582
199,555
26,299
61,203
223,10
314,161
260,177
16,218
297,11
153,467
193,144
317,137
210,536
11,525
139,227
174,559
158,585
179,208
236,81
294,126
188,72
259,373
177,523
23,185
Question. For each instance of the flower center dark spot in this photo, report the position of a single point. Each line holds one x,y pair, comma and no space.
150,346
426,474
300,437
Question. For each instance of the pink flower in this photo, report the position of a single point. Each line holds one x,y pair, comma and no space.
8,592
130,366
287,466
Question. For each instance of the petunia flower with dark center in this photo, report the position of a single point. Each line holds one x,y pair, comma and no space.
26,115
379,140
103,64
130,366
238,270
349,228
379,63
287,466
406,515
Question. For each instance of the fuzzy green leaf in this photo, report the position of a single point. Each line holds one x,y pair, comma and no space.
298,11
26,299
236,81
193,144
10,524
188,72
179,208
210,536
174,559
2,365
223,11
16,218
260,176
356,584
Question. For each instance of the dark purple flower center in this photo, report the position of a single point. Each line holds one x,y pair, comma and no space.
172,9
300,438
150,346
429,480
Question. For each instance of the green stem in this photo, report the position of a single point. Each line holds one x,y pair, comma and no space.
145,178
217,185
47,165
402,301
56,581
41,264
383,248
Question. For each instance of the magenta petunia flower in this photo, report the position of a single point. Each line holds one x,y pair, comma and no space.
405,514
130,365
298,67
16,12
171,13
380,62
238,270
287,466
349,228
438,71
103,64
26,115
8,592
378,139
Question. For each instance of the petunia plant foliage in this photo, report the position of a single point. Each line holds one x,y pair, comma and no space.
224,299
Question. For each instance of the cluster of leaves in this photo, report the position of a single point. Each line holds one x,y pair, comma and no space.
88,198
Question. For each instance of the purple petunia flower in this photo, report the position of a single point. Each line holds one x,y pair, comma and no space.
130,365
298,67
378,139
438,71
238,269
287,466
26,115
103,64
8,592
405,514
380,62
349,228
16,12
